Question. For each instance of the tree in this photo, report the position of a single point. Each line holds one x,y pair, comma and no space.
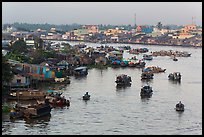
159,25
38,43
37,56
19,47
7,74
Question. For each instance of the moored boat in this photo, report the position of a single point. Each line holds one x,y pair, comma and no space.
40,109
29,94
140,64
64,80
56,100
147,57
146,75
153,69
81,71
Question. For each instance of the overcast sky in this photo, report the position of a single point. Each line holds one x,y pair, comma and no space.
116,13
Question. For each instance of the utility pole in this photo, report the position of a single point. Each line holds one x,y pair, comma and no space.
135,19
193,21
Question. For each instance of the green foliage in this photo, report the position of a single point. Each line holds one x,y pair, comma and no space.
49,54
18,57
19,46
7,74
159,25
46,26
38,43
6,108
68,48
39,55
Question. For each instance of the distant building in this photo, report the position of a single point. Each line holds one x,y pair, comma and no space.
91,28
79,32
190,27
115,31
144,29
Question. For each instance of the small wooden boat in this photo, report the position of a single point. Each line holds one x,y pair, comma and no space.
86,96
179,107
175,59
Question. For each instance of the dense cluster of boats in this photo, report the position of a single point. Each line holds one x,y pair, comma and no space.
40,109
45,101
171,53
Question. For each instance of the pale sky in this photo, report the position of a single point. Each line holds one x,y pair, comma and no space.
115,13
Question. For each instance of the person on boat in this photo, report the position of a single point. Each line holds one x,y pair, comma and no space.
87,94
179,104
179,75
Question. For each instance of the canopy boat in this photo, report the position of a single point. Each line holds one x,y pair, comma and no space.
81,71
147,57
123,80
176,76
153,69
124,63
140,64
56,100
146,75
146,91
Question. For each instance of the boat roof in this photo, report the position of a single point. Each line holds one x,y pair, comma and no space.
80,68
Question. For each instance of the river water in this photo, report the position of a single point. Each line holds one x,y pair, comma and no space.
113,111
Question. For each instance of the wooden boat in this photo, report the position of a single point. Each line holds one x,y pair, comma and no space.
140,64
65,80
153,69
26,95
179,107
86,96
56,100
146,91
176,76
124,63
40,109
81,71
175,59
146,75
147,57
123,80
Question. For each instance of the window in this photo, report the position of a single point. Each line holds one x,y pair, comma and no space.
18,80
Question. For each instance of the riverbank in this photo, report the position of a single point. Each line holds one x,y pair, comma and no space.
154,44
